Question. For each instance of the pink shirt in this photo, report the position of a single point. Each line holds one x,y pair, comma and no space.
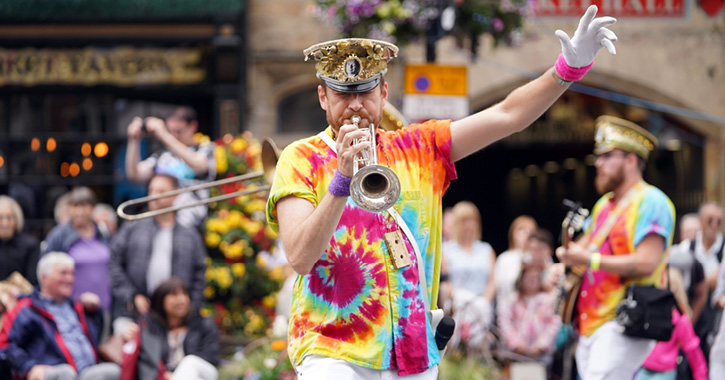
663,357
529,322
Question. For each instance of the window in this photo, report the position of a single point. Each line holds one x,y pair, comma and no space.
301,112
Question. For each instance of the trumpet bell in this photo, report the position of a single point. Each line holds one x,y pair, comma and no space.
375,188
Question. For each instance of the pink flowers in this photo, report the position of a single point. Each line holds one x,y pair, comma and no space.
497,24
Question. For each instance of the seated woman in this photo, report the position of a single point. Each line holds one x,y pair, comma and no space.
190,342
19,254
19,251
527,319
508,263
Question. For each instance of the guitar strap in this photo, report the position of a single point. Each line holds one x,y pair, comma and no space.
601,235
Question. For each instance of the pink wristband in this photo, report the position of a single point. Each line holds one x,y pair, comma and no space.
569,73
340,185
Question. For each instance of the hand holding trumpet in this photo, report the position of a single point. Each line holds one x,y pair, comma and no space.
347,149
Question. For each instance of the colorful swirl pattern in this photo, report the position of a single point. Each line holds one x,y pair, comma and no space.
355,305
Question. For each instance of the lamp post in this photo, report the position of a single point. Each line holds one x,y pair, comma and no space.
441,25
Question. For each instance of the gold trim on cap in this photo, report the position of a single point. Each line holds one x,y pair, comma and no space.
616,133
336,59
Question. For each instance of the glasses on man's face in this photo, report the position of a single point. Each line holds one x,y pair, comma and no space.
714,221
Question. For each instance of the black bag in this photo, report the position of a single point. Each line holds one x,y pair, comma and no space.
647,313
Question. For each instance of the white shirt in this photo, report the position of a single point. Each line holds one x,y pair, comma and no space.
707,258
469,270
159,269
508,266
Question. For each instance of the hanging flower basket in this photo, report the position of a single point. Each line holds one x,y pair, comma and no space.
395,21
404,21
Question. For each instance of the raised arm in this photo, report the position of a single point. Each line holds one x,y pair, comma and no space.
198,161
525,104
136,170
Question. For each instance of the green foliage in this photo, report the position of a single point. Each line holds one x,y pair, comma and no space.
502,19
455,366
264,359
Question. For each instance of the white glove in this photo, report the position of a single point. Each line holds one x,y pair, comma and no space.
590,36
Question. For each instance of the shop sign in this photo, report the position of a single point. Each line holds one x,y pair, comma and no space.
615,8
121,66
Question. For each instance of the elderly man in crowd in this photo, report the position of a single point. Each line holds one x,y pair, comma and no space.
48,335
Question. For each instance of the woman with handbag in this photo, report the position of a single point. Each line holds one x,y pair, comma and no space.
188,343
661,364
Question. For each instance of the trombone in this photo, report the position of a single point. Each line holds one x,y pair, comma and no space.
270,154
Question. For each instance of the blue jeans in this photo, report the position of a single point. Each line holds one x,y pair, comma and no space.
646,374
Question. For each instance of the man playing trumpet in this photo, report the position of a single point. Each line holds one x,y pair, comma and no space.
358,312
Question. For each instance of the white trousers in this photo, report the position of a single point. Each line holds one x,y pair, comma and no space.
317,367
608,354
193,367
717,353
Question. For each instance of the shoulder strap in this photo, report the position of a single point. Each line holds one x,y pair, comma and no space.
408,234
418,258
601,235
328,140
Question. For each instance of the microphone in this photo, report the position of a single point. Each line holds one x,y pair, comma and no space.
444,332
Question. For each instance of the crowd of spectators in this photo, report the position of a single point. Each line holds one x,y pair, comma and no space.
92,280
89,283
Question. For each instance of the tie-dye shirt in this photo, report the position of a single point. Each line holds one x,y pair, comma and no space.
354,305
650,211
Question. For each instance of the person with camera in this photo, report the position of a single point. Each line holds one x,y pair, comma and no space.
181,156
625,243
358,311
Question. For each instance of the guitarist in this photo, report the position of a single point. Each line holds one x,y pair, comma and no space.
625,242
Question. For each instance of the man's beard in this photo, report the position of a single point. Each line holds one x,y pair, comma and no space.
609,182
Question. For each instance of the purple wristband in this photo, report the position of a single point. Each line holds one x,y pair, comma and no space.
568,73
340,185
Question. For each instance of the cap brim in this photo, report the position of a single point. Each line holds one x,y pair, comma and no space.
601,149
352,88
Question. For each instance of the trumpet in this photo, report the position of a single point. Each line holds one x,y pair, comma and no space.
270,154
374,187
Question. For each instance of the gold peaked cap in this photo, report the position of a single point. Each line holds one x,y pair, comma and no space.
615,133
351,64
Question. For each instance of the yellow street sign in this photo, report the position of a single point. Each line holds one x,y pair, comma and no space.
432,79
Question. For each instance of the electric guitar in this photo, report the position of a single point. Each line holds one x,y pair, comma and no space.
568,287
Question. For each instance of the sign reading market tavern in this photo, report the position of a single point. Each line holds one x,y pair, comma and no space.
615,8
121,66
